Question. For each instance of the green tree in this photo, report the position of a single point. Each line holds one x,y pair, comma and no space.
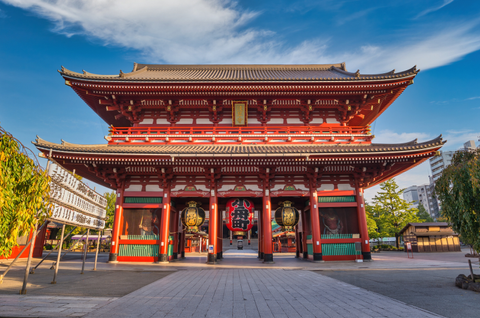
390,211
458,189
371,222
111,199
24,192
423,215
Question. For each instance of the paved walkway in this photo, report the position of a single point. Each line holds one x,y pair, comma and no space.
49,306
239,286
254,293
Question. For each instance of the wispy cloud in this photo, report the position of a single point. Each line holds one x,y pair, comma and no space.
433,9
456,139
473,98
218,31
354,16
388,136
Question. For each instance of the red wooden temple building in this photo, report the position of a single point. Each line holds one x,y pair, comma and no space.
269,133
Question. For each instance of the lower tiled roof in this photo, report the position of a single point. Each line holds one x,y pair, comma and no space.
326,149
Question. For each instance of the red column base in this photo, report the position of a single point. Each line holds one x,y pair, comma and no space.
163,258
268,258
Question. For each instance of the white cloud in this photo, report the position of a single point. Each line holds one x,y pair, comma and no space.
473,98
216,31
388,136
415,176
456,139
433,9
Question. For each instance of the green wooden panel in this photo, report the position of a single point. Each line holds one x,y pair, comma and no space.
170,247
350,198
339,249
309,246
138,250
337,236
142,200
143,237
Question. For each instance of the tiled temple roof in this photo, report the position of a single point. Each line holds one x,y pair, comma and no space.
226,150
240,73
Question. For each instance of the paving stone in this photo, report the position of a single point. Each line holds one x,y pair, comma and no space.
235,293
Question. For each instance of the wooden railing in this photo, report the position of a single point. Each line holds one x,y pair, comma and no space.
244,135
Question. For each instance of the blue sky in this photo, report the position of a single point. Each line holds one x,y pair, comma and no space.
441,37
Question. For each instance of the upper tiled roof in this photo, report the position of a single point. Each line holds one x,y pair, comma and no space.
240,73
227,150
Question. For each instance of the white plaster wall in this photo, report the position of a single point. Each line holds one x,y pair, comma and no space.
345,186
185,121
253,121
294,121
226,121
326,187
276,121
152,187
317,120
203,121
134,187
162,121
332,121
147,121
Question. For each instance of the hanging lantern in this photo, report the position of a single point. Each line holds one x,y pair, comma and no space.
239,215
193,216
286,215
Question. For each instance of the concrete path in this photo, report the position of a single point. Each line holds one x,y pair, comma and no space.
254,293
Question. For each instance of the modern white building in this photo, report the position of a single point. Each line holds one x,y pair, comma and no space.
410,195
440,162
469,145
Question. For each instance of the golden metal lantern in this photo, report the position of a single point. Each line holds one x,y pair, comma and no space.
287,216
193,216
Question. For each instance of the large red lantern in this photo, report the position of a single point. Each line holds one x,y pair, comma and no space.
239,215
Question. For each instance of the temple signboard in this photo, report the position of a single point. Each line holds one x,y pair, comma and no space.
74,202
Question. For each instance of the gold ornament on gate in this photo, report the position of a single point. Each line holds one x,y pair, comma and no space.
286,215
193,216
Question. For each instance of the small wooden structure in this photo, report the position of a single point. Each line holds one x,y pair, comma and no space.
431,237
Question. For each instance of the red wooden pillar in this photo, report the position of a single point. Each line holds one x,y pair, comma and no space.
220,235
164,226
297,248
175,235
260,234
267,228
182,244
304,235
315,220
112,258
362,225
212,228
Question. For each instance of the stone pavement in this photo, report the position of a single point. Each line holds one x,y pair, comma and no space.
238,286
254,293
49,306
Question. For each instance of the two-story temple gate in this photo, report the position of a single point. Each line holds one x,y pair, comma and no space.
265,132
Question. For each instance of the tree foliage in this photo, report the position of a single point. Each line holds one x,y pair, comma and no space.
390,212
111,199
423,215
458,189
371,222
24,192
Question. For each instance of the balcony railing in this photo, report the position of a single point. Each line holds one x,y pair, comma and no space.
242,135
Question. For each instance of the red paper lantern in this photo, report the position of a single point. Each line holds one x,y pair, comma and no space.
239,215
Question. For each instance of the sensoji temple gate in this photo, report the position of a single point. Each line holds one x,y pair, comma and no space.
209,133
